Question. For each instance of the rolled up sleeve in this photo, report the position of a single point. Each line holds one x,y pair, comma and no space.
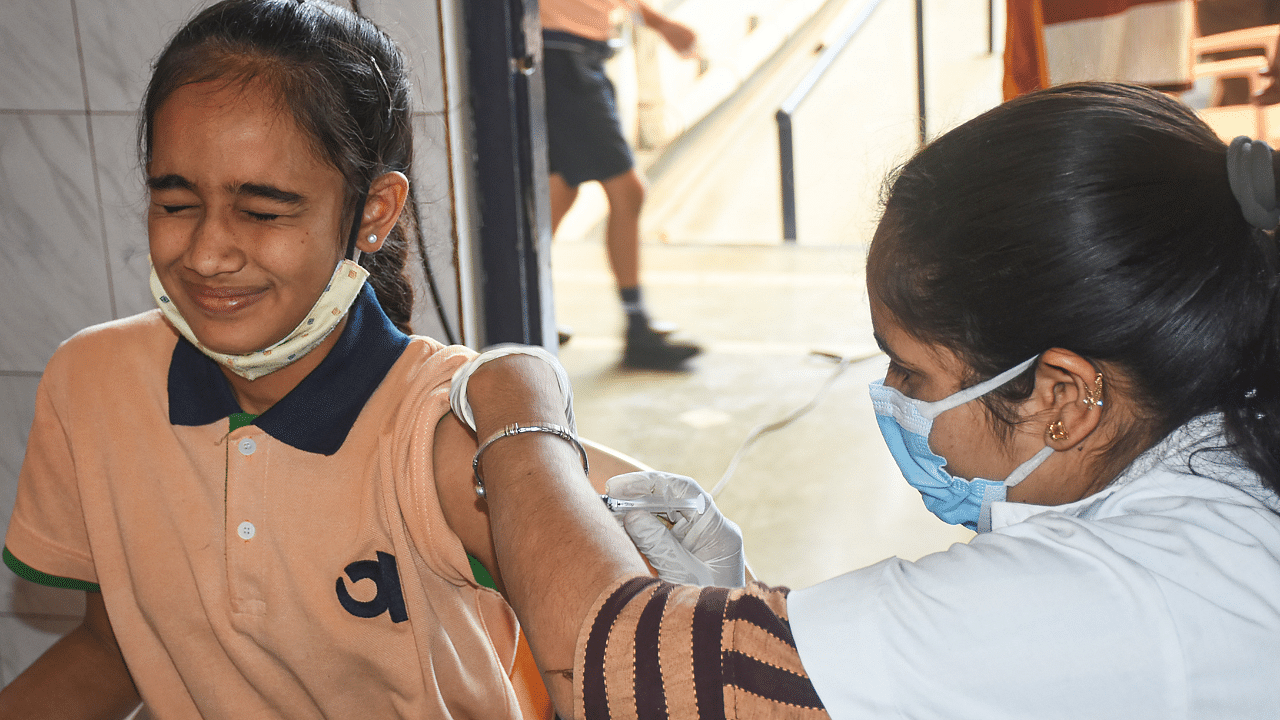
658,650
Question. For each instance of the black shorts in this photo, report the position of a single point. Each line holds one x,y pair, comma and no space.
584,135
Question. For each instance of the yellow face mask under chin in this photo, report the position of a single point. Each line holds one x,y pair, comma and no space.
330,308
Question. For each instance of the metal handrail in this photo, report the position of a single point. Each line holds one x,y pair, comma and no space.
786,156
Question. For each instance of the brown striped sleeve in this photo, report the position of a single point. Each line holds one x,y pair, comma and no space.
657,651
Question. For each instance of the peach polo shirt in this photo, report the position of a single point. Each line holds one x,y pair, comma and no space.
296,567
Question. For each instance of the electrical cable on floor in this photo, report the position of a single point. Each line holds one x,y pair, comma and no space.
844,361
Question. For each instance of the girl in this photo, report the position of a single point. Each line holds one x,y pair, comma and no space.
1077,292
259,484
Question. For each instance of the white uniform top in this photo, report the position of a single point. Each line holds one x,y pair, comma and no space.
1158,597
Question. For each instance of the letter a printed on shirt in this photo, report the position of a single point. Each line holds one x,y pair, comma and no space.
389,598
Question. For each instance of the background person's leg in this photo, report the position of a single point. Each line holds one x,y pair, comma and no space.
585,142
562,197
625,194
646,346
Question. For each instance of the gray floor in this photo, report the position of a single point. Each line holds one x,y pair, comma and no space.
822,495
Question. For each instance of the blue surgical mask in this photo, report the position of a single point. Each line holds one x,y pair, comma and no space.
905,424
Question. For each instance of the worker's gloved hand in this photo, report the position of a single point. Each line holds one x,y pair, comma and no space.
699,549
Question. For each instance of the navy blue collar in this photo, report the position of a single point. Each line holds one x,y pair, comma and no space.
317,414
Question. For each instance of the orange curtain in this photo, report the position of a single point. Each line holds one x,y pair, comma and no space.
1025,64
1025,67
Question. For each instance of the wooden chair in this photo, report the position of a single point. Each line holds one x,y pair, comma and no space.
1232,120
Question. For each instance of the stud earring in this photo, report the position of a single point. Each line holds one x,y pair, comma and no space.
1093,396
372,239
1057,431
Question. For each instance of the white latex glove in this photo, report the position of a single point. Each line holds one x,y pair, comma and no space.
699,549
458,388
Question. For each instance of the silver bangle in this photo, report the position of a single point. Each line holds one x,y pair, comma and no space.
518,429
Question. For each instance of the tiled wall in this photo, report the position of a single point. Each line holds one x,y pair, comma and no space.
72,242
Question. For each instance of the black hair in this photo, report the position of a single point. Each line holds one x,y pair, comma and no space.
1098,218
345,84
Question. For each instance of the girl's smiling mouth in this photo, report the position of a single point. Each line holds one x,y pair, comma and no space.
223,300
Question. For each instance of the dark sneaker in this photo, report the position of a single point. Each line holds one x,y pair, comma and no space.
662,327
654,350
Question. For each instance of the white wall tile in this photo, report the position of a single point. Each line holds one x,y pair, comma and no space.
43,608
18,398
39,65
415,26
120,39
50,238
31,617
124,206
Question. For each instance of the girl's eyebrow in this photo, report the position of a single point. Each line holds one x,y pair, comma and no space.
268,192
169,182
174,181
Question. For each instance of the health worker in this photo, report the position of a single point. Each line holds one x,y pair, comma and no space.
1079,295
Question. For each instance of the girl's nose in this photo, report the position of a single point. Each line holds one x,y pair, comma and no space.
213,248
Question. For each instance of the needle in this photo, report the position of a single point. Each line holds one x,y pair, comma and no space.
697,504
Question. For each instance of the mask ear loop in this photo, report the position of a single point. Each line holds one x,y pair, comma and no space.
934,409
1021,472
998,493
353,254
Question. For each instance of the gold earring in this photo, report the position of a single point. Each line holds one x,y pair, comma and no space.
1057,431
1093,396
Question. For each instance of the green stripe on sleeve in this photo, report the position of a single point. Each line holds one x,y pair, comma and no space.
27,572
481,574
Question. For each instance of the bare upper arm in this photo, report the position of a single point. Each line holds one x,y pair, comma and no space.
466,513
463,509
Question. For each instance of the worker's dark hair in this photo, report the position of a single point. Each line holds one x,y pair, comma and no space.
342,79
1098,218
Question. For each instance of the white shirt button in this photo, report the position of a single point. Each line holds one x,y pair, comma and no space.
246,531
247,446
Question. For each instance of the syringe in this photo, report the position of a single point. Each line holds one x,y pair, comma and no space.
655,505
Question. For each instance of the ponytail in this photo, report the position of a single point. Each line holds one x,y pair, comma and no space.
1251,401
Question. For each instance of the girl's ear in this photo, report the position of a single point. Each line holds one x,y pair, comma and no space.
387,196
1069,395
